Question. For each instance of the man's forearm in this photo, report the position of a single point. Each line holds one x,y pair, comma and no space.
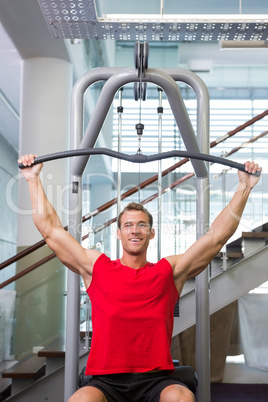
44,215
225,225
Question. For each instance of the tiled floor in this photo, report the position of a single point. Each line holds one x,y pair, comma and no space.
239,373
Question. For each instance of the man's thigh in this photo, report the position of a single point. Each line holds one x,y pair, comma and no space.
163,391
108,388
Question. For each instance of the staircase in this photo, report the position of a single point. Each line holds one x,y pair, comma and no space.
245,271
39,374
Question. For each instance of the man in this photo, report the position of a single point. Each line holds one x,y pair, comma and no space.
132,299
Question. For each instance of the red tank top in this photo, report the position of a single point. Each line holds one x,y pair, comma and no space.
132,317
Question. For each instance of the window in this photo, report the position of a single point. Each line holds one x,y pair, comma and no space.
225,115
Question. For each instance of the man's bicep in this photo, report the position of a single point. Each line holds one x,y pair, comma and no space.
70,252
200,254
195,259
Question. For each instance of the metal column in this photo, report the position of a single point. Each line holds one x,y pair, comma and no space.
202,213
160,113
75,214
73,286
119,172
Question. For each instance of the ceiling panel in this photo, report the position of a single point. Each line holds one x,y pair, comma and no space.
80,20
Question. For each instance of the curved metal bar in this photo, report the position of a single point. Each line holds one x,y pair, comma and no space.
128,75
138,158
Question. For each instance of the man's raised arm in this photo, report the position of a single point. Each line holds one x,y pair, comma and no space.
67,249
200,254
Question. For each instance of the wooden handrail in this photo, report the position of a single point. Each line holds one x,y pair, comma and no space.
27,270
241,127
133,190
245,144
22,254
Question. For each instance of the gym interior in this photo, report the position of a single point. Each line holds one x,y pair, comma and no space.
47,50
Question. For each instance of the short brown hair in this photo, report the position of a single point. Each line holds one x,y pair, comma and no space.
135,206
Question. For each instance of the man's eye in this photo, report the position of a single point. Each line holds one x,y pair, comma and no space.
144,225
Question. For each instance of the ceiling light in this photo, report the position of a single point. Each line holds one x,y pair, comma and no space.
243,44
190,18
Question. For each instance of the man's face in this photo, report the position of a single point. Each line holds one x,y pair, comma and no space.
135,232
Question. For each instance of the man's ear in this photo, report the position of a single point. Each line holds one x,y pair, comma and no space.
152,234
118,234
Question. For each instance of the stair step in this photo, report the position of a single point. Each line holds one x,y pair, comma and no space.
231,254
55,349
255,235
32,367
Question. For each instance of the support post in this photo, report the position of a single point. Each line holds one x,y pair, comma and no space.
202,213
160,113
71,372
202,300
202,280
119,172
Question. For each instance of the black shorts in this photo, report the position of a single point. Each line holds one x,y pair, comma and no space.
131,387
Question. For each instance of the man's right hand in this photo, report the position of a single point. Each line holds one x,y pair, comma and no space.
30,171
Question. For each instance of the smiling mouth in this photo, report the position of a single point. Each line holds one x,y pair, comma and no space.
135,240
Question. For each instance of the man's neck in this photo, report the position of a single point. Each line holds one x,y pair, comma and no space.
133,261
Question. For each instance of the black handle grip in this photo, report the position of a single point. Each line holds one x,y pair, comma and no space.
138,158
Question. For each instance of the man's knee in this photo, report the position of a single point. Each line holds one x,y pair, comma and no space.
176,393
88,394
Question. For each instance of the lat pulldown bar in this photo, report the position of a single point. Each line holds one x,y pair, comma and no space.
138,158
